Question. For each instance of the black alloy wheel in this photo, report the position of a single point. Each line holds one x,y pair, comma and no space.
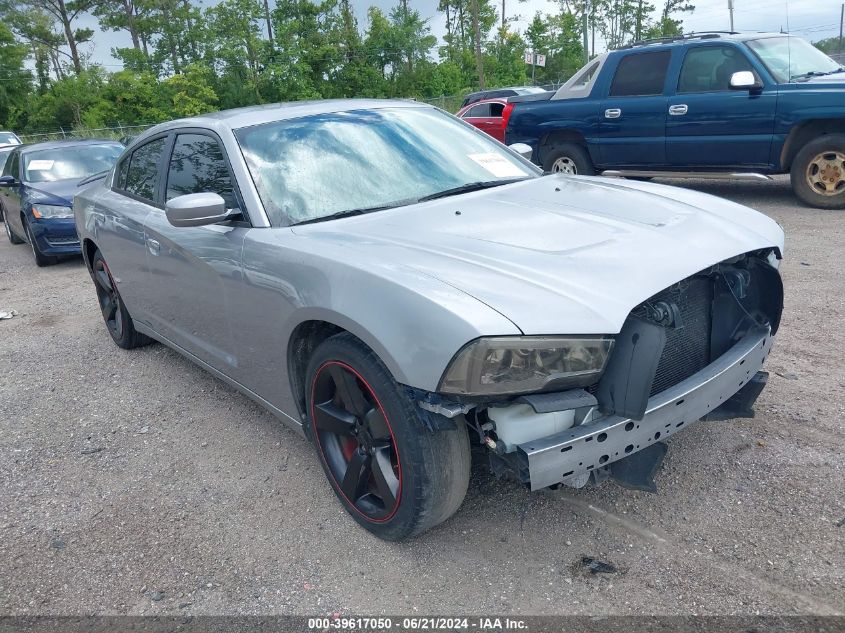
356,441
108,298
392,473
119,323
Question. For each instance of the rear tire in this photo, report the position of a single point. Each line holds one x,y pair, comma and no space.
569,158
818,172
116,316
395,477
13,239
40,258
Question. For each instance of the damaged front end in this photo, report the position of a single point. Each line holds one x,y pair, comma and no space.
691,352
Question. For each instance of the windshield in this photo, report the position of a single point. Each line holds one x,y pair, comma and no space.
791,58
328,164
66,162
7,138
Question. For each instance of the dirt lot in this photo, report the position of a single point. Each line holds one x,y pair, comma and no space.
133,482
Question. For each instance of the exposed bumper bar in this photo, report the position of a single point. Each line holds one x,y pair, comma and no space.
583,448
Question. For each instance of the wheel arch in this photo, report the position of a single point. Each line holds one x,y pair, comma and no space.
805,132
309,333
88,250
559,137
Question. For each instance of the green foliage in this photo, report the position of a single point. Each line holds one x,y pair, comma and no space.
186,58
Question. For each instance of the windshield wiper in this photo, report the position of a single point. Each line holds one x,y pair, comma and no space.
813,73
472,186
350,212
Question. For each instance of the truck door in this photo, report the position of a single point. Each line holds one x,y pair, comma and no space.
633,115
710,125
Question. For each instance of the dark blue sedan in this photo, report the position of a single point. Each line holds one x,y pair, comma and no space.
36,192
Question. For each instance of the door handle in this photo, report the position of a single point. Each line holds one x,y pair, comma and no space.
153,246
612,113
678,110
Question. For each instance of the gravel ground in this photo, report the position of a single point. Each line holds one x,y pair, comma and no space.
135,483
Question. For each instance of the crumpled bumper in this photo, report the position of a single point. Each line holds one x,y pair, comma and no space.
584,448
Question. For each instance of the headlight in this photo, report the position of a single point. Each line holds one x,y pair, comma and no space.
517,364
51,211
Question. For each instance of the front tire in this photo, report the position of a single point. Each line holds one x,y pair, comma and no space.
40,258
116,316
818,172
393,475
569,158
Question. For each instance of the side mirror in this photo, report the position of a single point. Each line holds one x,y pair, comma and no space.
7,181
196,209
523,149
745,80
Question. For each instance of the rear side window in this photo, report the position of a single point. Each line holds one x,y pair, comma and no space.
641,75
709,68
482,110
496,109
197,165
141,175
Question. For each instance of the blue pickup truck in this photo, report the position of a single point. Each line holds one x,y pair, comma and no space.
707,105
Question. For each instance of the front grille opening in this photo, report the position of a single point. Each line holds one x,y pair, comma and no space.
687,348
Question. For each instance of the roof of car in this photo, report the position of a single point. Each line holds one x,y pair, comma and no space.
64,143
693,38
255,115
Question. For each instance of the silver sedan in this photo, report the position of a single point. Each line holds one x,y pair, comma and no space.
396,285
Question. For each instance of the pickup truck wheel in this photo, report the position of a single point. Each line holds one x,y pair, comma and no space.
818,172
569,158
394,476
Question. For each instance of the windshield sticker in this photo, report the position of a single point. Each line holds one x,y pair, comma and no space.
497,165
40,165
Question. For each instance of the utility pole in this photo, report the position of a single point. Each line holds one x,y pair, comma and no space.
731,10
841,22
585,25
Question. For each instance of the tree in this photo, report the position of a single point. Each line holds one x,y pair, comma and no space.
65,14
16,82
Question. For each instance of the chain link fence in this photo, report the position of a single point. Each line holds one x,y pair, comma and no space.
449,103
112,133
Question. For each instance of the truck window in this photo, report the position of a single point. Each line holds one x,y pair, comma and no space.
709,68
479,111
641,75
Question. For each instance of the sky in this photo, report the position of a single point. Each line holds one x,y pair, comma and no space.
811,19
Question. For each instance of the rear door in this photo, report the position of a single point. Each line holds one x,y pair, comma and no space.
710,125
119,222
194,271
632,119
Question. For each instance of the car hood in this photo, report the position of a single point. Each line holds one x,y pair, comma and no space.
558,254
55,192
837,79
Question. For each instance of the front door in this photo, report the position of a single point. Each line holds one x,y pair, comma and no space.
710,125
10,197
488,118
632,118
194,271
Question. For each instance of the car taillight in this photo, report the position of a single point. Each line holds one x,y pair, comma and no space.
506,114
